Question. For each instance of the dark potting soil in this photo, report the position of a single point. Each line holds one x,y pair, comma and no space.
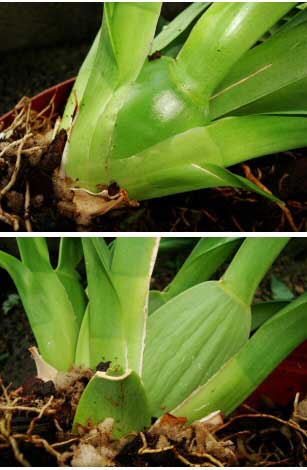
35,431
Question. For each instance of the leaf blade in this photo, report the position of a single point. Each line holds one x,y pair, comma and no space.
241,375
132,266
49,311
204,260
223,34
121,398
267,73
107,342
175,28
70,255
216,327
196,158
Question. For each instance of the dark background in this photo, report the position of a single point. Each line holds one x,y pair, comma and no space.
42,44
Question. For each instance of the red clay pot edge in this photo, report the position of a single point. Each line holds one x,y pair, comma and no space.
289,377
40,101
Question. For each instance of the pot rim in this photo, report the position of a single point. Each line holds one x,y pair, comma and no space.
60,90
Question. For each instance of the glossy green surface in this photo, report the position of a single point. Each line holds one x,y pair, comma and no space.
196,158
270,78
146,124
158,108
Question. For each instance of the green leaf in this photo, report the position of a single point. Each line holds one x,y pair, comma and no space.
245,272
299,18
268,79
188,340
263,311
195,159
83,353
131,50
80,84
156,300
207,256
175,28
242,374
34,253
70,255
192,177
223,34
106,334
206,325
280,290
122,50
119,397
49,311
168,244
132,265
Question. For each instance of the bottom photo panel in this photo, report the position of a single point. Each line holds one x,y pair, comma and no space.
144,351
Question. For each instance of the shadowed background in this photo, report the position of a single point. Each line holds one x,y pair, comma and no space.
42,44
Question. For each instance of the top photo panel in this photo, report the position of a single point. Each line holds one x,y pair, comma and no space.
153,117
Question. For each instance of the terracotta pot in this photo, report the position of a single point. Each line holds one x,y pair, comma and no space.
291,376
40,101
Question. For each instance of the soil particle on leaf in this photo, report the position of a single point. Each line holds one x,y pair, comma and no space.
103,366
156,55
113,189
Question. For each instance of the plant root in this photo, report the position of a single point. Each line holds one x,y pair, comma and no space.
32,419
22,148
14,440
268,440
285,210
193,445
